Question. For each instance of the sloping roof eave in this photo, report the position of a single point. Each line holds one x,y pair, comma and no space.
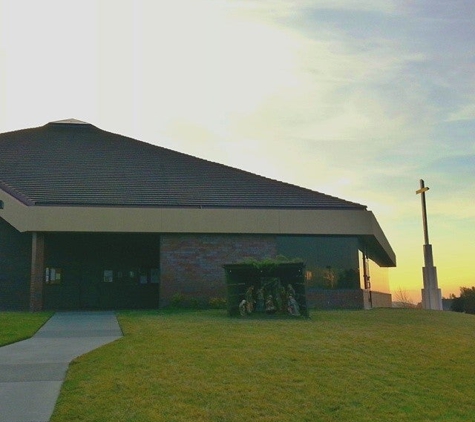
64,163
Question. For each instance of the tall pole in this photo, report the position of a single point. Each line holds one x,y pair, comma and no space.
431,294
423,191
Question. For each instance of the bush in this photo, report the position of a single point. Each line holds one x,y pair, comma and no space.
217,303
178,300
181,301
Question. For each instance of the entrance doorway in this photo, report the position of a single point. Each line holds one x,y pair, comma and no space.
102,270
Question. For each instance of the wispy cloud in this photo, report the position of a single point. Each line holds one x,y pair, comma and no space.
466,112
282,7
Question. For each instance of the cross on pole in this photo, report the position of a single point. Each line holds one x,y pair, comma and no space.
431,294
423,191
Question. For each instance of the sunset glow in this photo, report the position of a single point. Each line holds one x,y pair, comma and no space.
356,99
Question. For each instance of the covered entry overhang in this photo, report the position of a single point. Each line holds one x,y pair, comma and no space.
41,220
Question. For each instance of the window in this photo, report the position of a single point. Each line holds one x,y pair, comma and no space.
108,276
53,275
142,275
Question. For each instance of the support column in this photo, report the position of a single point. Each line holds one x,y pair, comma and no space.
37,271
368,297
431,294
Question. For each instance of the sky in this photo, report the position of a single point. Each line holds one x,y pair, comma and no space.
358,99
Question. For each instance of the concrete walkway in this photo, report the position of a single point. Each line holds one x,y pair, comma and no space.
32,371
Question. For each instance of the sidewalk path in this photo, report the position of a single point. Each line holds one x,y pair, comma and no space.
32,371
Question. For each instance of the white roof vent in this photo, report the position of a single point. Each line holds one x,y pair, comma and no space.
71,122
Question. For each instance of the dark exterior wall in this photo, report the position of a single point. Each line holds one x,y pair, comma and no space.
346,299
83,258
15,265
192,264
331,261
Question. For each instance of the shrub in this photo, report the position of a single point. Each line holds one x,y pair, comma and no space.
217,303
181,301
178,300
193,303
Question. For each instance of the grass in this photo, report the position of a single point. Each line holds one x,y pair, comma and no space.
379,365
16,326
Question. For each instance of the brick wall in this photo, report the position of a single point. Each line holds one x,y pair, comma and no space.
191,264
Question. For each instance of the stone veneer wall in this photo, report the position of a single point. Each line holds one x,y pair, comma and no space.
381,300
192,264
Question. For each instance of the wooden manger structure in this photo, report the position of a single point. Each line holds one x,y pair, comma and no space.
266,289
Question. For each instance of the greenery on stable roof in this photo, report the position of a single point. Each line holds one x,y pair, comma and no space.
268,263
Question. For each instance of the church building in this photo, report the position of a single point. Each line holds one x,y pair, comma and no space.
90,219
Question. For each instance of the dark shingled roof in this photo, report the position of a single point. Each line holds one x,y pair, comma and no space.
71,163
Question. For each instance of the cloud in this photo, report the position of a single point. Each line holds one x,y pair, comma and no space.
355,98
466,112
285,7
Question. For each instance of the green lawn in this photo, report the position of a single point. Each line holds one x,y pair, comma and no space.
16,326
379,365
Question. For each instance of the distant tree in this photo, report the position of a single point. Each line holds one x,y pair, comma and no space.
403,299
465,302
457,303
